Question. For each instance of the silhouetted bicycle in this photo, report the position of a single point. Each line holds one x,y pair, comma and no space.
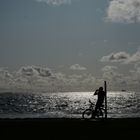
90,112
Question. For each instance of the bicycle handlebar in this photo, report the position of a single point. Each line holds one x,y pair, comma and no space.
91,102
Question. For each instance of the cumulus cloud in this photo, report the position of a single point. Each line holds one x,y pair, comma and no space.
55,2
115,79
44,72
127,11
4,73
77,67
115,57
5,77
27,71
40,79
35,78
108,68
133,80
35,71
137,65
134,58
29,77
110,73
122,57
136,75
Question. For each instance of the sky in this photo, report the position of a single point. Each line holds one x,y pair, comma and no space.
69,45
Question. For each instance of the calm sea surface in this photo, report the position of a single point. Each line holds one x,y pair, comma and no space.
65,105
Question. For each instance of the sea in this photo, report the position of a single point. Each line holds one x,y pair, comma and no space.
66,104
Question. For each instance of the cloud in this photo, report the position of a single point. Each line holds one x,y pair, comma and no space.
110,74
30,71
77,67
136,74
5,77
108,68
124,11
42,79
133,79
116,57
134,58
27,77
116,80
35,78
4,73
55,2
122,57
27,71
137,65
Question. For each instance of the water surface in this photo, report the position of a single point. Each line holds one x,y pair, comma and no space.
65,105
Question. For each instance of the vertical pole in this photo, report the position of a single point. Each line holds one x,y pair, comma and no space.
105,89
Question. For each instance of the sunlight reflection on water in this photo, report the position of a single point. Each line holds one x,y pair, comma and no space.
68,104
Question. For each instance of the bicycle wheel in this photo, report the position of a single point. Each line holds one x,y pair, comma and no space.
87,114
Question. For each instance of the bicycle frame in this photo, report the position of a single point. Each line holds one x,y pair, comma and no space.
91,106
100,111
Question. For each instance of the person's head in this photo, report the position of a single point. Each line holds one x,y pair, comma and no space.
100,88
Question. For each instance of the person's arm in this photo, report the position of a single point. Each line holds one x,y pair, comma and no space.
96,92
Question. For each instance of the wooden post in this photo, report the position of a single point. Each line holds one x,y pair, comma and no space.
105,89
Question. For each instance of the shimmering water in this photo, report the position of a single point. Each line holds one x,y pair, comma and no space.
68,104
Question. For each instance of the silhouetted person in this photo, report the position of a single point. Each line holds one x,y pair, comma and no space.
100,99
